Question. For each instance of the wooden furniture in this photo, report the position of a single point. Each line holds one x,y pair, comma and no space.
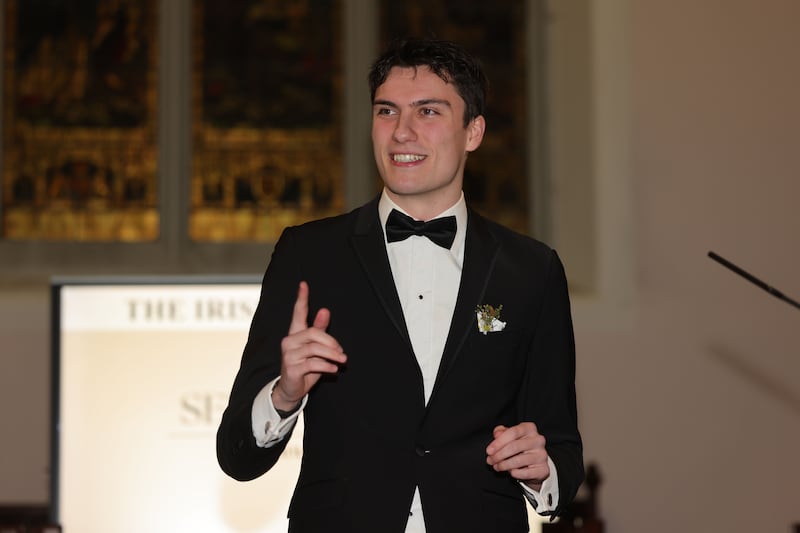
27,519
581,515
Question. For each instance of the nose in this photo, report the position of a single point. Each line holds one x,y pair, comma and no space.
404,129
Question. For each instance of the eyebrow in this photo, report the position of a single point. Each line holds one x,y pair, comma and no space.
417,103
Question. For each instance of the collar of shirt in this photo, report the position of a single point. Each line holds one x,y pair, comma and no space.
459,210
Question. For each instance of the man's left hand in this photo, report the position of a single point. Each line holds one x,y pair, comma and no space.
519,450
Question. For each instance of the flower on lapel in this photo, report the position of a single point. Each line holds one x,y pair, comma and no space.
489,318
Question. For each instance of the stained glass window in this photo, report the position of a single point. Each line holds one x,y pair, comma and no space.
265,98
79,114
266,118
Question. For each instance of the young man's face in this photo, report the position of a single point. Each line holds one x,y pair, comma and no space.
419,140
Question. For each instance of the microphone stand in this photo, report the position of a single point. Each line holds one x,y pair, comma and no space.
751,278
772,290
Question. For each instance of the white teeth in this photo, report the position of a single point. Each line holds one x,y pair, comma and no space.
407,158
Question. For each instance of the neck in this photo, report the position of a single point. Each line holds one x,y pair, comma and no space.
423,208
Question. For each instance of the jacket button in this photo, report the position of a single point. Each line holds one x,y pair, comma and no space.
421,451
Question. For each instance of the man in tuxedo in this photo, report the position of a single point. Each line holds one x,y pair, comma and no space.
430,350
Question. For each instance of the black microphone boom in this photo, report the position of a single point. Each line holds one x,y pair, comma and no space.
751,278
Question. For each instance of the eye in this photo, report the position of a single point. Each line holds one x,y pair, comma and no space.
428,112
384,111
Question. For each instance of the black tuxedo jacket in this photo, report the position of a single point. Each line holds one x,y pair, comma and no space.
369,437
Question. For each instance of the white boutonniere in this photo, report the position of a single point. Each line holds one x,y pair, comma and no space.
489,318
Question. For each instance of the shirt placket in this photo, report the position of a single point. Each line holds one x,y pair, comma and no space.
421,310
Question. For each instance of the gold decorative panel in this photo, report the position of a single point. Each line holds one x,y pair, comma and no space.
79,115
496,177
266,118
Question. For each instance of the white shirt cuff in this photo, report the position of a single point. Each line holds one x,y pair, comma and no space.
268,426
545,500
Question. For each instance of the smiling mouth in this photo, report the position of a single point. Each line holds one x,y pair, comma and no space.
407,158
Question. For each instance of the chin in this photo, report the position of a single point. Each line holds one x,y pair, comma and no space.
405,191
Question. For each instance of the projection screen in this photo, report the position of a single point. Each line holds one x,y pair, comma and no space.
141,374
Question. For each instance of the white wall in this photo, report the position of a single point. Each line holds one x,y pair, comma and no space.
692,406
688,382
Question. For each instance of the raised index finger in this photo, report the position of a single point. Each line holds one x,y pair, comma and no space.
300,313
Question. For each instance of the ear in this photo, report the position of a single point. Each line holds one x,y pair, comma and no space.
475,130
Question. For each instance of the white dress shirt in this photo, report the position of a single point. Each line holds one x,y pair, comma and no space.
427,278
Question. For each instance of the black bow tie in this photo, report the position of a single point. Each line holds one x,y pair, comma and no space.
441,231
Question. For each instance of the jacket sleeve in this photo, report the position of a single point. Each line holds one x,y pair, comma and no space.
237,452
548,395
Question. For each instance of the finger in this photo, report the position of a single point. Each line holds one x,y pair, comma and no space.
504,436
300,313
322,319
532,473
328,349
309,338
522,438
313,365
522,460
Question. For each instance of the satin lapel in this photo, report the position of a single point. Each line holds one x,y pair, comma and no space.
480,254
369,246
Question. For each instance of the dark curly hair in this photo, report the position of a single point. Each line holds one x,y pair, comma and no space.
446,59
